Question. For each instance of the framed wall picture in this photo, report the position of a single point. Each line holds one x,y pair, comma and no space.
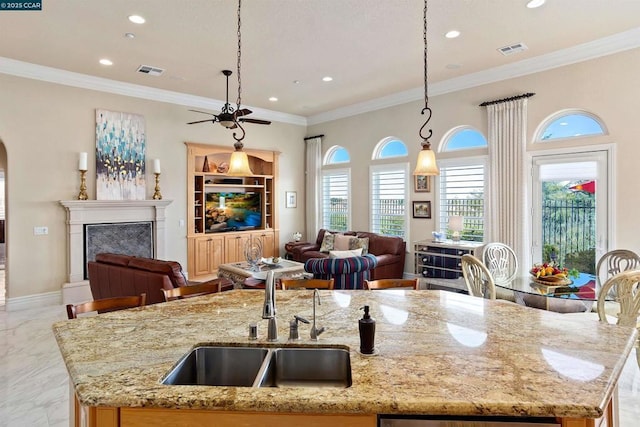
422,209
291,199
422,183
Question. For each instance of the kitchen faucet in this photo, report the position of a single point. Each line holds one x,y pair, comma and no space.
315,332
269,307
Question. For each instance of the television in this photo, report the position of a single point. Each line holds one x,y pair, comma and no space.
231,211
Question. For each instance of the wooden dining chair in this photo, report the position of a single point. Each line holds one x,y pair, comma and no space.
190,291
106,304
306,283
391,283
614,262
477,277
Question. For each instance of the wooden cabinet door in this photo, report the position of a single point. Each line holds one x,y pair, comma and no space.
234,247
201,262
216,252
268,247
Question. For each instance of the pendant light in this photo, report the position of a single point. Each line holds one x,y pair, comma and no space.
239,162
426,163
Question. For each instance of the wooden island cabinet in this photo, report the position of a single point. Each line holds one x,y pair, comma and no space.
225,212
439,356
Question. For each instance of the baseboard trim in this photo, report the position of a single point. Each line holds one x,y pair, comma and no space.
33,301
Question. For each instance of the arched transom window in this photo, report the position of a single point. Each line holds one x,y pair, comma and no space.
570,124
390,147
336,155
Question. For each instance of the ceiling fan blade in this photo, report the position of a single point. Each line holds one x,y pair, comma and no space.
257,121
203,112
202,121
243,112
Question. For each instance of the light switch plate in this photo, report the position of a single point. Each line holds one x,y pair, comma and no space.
40,231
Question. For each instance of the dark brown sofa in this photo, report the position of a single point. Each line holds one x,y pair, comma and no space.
389,252
114,275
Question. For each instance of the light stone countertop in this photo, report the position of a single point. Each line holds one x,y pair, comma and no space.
439,353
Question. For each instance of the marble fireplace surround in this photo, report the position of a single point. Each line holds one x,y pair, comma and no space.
81,212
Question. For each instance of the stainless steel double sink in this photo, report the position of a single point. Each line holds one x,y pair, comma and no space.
262,367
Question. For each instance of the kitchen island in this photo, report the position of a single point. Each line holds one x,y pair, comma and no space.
438,353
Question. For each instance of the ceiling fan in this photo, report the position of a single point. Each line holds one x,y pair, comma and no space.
229,115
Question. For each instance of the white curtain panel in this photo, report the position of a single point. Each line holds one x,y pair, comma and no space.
507,144
313,171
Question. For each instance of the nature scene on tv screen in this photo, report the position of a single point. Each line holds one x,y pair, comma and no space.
232,211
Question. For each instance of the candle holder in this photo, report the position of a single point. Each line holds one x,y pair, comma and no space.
157,195
82,195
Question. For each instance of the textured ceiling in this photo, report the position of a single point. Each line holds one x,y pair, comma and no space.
372,48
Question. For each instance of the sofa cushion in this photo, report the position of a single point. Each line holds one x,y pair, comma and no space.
171,268
328,242
360,242
114,259
342,242
345,254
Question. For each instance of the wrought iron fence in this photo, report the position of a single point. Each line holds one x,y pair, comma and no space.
569,233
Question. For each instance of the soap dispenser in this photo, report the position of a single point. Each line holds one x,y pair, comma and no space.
367,327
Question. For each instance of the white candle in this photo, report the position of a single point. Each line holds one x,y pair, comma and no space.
156,166
82,162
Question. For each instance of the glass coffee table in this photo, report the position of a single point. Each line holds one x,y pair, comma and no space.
238,272
576,297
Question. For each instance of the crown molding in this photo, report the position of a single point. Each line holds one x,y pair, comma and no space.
591,50
605,46
85,81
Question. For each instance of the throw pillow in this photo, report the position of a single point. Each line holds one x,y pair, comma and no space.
358,242
342,242
327,242
345,254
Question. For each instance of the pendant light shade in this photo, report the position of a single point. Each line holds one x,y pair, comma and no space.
239,163
426,164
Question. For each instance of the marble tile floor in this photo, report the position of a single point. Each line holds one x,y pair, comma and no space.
34,389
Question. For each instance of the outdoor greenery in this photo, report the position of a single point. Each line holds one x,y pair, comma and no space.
568,226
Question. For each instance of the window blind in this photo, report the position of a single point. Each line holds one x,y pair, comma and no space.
462,194
389,200
336,213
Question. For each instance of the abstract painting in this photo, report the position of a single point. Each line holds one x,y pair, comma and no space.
120,156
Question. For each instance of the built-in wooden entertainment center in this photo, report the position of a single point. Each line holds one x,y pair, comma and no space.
225,212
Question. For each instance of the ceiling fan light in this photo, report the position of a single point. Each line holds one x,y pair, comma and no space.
239,164
426,164
227,123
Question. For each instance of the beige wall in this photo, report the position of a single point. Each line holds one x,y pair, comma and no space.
44,126
606,86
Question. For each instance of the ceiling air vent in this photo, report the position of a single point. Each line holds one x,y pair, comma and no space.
147,69
514,48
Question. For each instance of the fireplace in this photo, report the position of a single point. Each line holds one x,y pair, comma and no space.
107,216
127,238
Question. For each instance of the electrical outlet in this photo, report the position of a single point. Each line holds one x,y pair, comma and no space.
181,223
40,231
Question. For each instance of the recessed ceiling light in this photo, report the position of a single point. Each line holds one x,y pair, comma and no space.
273,99
137,19
452,34
296,82
130,35
327,79
105,61
535,3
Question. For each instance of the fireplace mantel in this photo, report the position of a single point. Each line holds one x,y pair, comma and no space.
81,212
